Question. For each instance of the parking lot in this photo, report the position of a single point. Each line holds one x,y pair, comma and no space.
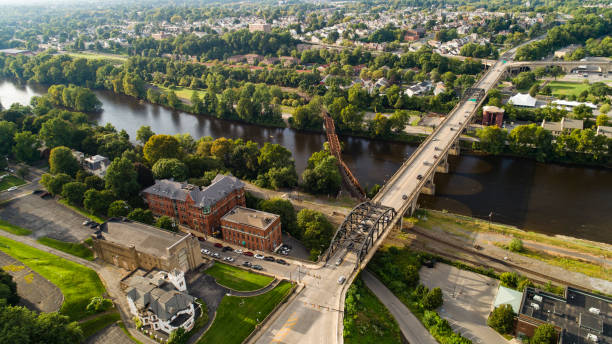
45,217
467,301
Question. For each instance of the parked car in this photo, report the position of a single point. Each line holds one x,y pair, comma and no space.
37,192
12,188
205,251
339,261
341,279
419,177
45,194
282,262
257,267
228,259
248,253
259,256
86,223
247,264
227,248
404,197
93,225
216,255
239,251
218,245
201,239
269,258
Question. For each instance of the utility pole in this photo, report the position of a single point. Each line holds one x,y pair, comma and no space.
490,215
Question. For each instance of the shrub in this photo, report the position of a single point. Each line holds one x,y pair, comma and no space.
544,334
98,304
509,279
502,319
433,299
516,245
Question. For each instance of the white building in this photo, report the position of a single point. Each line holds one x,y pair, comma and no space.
96,165
522,100
418,89
161,301
570,104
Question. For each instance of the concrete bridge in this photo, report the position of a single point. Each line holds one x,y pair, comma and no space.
604,66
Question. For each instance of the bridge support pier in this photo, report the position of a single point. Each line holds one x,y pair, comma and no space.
455,149
429,188
443,165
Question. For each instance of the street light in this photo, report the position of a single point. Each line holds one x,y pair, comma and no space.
490,215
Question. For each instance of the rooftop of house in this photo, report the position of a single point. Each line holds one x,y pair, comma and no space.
96,158
145,238
251,217
578,313
204,197
157,296
564,124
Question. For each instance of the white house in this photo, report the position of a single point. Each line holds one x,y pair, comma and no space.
161,301
96,165
418,89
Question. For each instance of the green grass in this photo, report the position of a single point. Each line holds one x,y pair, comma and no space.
73,248
77,283
237,316
10,181
93,326
96,56
368,321
567,88
182,92
236,278
11,228
127,333
83,212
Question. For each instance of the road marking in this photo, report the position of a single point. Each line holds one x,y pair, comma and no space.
284,331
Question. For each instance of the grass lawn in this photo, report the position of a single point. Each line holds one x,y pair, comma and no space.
83,212
73,248
11,228
237,316
567,88
92,326
77,283
236,278
369,321
183,92
10,181
99,56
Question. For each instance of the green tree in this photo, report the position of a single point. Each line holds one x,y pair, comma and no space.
516,245
170,168
141,215
26,146
121,178
509,279
98,202
601,120
160,147
321,174
285,210
119,208
433,299
144,133
178,336
94,182
61,160
56,132
502,319
19,325
316,231
98,304
55,183
74,192
8,289
492,139
544,334
7,135
167,223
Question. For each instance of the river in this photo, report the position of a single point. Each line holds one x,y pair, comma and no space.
547,198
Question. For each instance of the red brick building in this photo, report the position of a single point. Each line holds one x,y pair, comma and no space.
199,209
253,229
492,115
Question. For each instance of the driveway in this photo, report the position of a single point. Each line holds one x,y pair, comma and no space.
45,217
467,301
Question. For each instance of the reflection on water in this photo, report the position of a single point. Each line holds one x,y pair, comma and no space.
553,199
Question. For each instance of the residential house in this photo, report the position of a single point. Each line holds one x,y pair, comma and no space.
418,89
96,165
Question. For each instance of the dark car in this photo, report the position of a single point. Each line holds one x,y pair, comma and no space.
257,267
404,197
430,263
247,264
45,194
249,253
201,239
94,225
227,248
37,192
218,245
269,258
419,177
282,262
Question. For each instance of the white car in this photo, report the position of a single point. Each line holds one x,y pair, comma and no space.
228,259
12,188
259,256
216,255
239,251
205,251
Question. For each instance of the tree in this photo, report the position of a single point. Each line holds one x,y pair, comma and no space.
7,135
55,183
167,223
119,208
98,202
8,289
321,174
26,146
144,133
316,231
160,147
121,178
144,175
502,319
411,275
61,160
544,334
274,155
98,304
56,132
516,245
492,139
94,182
285,209
141,215
433,299
601,120
170,168
509,279
73,192
19,325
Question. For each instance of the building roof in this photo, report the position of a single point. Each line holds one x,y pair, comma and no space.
204,197
573,103
604,130
96,158
521,99
564,124
157,296
254,218
145,238
492,109
578,313
507,296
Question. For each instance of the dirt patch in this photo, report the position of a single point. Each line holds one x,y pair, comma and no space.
36,292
